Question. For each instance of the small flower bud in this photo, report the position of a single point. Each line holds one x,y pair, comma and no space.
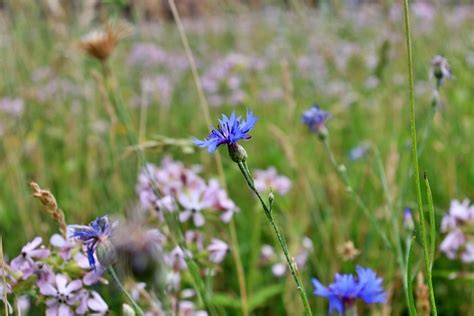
342,168
408,222
237,153
322,133
127,310
271,199
106,252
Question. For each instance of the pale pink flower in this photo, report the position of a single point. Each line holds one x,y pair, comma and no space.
467,256
64,245
193,202
451,243
24,263
63,295
220,200
176,259
194,238
91,302
269,179
217,250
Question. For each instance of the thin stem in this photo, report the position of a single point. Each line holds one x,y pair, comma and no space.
4,281
281,239
415,156
205,110
124,291
342,173
432,220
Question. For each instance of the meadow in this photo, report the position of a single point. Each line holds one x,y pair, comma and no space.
101,114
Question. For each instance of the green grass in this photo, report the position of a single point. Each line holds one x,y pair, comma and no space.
56,143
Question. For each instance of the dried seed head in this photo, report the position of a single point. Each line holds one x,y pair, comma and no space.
51,206
101,43
348,251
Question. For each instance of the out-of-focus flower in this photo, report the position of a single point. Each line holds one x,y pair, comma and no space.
92,303
441,69
97,234
408,222
101,43
358,152
24,263
346,289
229,131
176,259
63,295
315,119
269,179
267,253
217,250
458,223
220,201
194,239
12,106
44,274
193,202
348,251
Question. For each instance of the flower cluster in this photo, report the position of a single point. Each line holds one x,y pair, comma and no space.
66,292
182,189
458,224
270,180
223,80
441,69
346,289
278,265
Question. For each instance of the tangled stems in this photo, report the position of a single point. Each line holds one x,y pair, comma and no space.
415,157
281,239
342,173
124,291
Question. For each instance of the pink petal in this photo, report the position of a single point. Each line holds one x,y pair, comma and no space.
64,310
73,286
52,311
96,303
48,289
61,282
32,245
39,253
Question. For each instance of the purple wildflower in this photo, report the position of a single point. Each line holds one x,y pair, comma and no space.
217,250
98,232
24,263
315,118
346,289
230,131
63,295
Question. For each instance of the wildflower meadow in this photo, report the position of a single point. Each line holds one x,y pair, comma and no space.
203,158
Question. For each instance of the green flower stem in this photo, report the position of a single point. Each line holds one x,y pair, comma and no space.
281,239
342,173
124,291
351,311
415,157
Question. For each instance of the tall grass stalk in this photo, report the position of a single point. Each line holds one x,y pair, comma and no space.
281,239
205,109
415,155
394,216
342,173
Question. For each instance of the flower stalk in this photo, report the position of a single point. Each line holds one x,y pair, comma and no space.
415,157
268,209
125,292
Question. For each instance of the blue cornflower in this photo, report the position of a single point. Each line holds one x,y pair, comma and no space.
229,131
346,289
97,233
315,118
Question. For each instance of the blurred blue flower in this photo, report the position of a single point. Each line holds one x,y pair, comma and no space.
229,131
358,152
346,289
99,231
315,118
